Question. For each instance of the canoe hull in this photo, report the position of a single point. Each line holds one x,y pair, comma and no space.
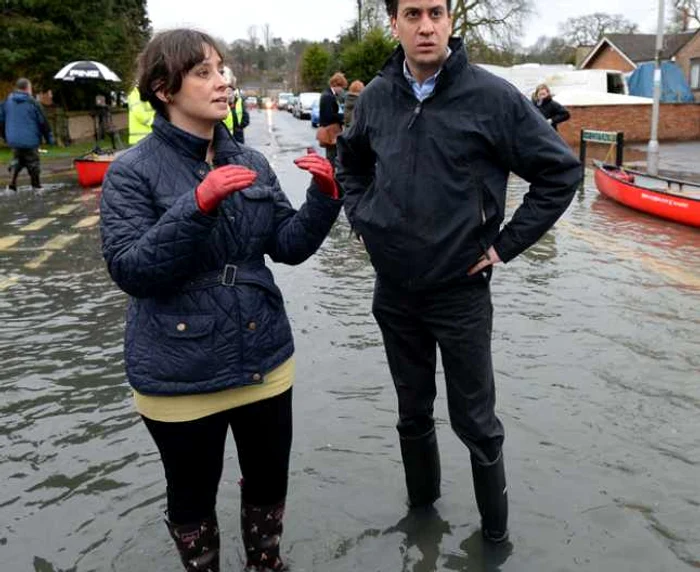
664,205
91,173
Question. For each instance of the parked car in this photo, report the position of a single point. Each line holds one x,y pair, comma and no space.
283,100
302,109
316,113
251,102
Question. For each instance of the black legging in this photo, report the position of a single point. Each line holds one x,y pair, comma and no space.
193,456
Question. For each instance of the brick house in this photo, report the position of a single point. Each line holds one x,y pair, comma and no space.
624,52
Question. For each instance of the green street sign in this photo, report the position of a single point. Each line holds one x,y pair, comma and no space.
599,136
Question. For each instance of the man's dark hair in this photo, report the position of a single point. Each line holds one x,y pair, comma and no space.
167,58
392,7
23,84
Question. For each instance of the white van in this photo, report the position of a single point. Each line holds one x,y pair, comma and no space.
302,109
526,77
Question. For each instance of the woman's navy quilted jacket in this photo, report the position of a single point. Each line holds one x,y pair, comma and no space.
204,313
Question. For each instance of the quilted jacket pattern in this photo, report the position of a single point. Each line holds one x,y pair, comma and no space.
186,332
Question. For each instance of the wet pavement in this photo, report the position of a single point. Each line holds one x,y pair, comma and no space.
596,350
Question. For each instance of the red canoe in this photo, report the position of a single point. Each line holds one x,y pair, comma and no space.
671,199
91,168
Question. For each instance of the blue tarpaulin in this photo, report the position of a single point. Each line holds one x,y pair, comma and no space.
674,87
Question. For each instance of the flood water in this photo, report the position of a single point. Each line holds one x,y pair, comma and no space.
597,357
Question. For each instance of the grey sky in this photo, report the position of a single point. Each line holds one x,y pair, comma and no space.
289,19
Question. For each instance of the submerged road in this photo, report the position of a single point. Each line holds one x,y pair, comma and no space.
596,350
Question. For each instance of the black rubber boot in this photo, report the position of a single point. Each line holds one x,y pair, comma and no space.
261,527
198,544
421,463
491,498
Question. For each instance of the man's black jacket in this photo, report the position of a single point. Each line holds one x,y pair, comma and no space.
425,183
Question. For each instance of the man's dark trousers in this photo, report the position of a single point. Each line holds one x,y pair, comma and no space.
457,318
28,158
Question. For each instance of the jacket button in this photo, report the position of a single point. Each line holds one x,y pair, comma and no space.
257,377
181,327
252,325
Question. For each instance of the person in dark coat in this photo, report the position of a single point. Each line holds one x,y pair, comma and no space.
554,112
424,168
354,91
23,125
329,109
187,216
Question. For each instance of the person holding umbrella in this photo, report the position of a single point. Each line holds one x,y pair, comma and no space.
187,216
23,125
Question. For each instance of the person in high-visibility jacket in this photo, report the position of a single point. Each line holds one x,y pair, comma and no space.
238,118
141,117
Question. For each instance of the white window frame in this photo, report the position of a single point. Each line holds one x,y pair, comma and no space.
695,73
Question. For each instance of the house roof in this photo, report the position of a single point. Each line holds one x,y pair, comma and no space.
642,47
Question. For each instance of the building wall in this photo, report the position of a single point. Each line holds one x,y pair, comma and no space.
677,122
609,59
688,52
81,126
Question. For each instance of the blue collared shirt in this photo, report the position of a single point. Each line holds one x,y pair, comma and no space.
423,90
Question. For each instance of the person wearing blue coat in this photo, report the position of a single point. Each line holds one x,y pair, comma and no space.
187,216
23,125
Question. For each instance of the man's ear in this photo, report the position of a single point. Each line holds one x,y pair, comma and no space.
394,28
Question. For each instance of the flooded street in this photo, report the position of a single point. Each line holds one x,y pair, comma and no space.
597,357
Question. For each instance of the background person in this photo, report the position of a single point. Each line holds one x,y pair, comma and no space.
553,111
141,116
187,216
329,119
354,91
23,125
425,167
238,118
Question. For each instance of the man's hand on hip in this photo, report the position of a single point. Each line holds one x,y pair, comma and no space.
488,259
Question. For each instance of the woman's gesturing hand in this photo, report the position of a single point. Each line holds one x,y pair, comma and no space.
322,172
220,183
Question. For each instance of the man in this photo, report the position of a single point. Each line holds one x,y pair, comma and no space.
329,116
22,125
424,168
238,118
141,117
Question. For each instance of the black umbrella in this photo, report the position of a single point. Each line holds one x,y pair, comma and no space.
93,71
86,69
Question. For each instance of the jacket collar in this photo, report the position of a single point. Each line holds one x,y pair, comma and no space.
20,96
393,68
195,147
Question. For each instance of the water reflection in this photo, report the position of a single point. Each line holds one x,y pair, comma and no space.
422,529
595,345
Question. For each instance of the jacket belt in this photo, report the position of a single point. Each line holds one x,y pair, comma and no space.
230,275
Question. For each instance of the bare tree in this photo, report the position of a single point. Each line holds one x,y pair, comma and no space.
685,15
588,30
253,36
489,22
267,36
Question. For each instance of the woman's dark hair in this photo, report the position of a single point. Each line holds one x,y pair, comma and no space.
392,7
166,59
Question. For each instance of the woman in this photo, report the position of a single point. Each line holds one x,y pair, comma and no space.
329,117
187,216
553,112
354,91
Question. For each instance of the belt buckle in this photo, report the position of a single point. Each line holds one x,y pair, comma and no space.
228,276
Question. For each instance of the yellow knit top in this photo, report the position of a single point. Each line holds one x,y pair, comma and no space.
173,408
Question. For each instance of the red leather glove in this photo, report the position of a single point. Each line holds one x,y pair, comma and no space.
322,172
220,183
